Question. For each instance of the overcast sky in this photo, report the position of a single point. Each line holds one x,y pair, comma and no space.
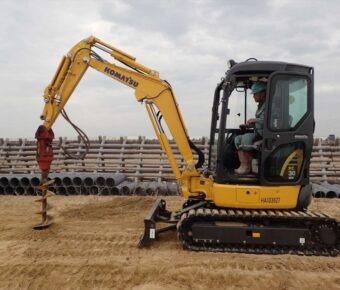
188,42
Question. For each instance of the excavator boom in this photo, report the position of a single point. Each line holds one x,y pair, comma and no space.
156,94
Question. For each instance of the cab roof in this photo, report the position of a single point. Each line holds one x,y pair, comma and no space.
249,67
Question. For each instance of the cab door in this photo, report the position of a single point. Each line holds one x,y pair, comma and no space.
288,129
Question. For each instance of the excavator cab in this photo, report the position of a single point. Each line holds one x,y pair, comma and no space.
282,155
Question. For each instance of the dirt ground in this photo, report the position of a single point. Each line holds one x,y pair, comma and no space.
92,245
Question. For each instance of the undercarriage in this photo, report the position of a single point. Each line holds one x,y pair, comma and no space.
202,226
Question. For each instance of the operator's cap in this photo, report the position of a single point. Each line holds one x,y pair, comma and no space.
258,87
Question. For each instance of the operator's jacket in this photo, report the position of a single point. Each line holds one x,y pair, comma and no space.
250,138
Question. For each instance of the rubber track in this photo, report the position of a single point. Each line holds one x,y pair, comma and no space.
287,216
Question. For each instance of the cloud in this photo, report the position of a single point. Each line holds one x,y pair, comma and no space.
188,42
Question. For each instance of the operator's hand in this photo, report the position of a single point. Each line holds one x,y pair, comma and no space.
251,122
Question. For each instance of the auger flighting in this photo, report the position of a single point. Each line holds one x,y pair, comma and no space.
44,158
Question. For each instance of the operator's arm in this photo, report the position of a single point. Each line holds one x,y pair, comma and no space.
149,88
251,121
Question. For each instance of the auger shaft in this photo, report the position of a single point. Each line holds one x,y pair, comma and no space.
44,138
44,179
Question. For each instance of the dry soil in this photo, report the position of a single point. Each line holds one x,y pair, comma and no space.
92,245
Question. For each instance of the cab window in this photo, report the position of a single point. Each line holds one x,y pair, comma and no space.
236,109
289,102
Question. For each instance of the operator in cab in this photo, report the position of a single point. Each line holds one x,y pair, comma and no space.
245,156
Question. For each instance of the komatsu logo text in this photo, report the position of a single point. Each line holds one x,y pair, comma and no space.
128,80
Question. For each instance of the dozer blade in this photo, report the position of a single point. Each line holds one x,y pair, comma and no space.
48,221
157,213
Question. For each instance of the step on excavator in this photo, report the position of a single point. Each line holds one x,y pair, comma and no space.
262,211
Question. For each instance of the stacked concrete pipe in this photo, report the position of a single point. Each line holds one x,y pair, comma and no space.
318,190
333,190
126,188
3,184
18,184
66,183
172,188
85,183
141,188
326,190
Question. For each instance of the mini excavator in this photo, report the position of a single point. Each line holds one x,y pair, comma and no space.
261,212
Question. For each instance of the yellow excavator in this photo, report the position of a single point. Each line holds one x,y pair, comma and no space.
264,211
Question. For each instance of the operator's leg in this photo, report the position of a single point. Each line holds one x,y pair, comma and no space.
245,156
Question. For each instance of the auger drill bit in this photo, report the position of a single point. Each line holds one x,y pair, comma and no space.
44,138
46,220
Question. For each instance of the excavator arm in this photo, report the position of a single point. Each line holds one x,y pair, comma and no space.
155,93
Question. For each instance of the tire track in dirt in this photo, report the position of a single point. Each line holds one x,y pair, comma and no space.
296,266
89,249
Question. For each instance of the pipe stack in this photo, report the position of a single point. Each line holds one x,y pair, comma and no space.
126,188
19,184
334,190
326,189
85,183
65,183
125,155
